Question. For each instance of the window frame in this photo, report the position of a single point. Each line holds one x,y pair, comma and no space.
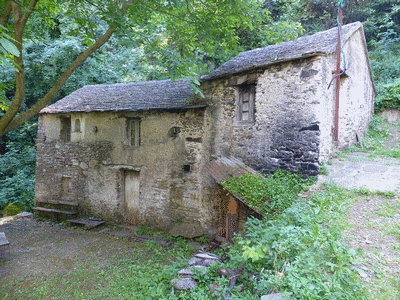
247,94
65,128
133,124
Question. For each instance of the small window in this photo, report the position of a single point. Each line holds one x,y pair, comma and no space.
77,125
65,129
133,132
246,103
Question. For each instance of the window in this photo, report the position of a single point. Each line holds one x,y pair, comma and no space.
246,103
65,129
133,132
77,125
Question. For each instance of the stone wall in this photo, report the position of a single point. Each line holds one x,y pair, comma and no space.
285,132
92,166
294,111
356,92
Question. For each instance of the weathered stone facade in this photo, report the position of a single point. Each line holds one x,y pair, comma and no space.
91,168
136,153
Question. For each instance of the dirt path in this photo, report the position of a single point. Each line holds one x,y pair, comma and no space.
374,218
38,248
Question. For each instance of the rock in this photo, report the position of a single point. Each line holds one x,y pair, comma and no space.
198,246
275,296
83,166
187,230
208,262
186,283
25,214
362,274
194,261
205,255
189,272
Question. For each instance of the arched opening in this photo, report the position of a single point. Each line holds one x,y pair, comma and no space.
77,125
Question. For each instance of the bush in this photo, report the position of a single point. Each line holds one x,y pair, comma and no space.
12,209
17,167
388,96
301,251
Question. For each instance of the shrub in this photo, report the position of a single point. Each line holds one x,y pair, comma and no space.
11,209
388,96
17,167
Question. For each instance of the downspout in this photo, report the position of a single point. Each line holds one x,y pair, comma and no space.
337,75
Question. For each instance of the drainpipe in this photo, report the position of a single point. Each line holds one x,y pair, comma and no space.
337,75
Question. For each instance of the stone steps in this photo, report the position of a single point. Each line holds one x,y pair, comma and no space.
56,202
56,210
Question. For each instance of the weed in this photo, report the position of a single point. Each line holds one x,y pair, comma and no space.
388,209
203,240
269,195
396,231
323,170
364,191
343,154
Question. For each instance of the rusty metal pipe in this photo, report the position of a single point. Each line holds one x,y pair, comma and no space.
337,74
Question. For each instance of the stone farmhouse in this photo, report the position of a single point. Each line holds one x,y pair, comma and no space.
140,153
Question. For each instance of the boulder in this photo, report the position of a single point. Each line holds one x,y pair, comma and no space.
186,283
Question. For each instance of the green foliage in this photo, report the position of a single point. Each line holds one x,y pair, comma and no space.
11,209
374,140
269,195
323,170
301,251
389,96
17,167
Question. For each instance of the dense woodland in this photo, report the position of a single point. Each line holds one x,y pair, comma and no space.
159,47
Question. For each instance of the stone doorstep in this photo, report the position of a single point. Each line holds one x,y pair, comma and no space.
89,224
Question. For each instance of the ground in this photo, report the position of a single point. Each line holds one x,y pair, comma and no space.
373,228
44,255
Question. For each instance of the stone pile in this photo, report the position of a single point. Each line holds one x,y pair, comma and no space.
200,261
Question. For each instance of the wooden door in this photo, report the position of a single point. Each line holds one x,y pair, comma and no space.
132,194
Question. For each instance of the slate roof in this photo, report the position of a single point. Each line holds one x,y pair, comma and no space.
324,42
161,94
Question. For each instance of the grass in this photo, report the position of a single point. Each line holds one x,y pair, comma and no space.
388,209
381,256
323,170
375,141
139,273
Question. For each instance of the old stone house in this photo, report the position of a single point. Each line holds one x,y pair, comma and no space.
139,153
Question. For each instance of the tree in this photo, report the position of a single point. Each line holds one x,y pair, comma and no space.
171,32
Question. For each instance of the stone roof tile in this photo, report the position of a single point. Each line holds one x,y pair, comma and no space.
324,42
161,94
